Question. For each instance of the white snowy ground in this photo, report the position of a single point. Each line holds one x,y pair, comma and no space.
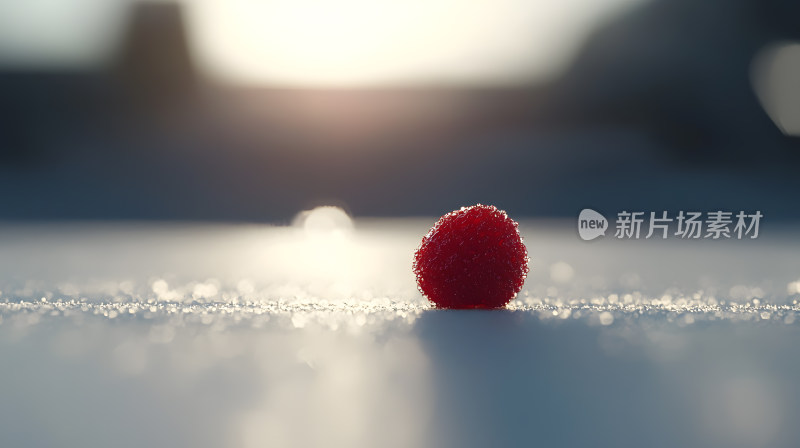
156,335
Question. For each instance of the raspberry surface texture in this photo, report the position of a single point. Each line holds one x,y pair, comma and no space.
472,258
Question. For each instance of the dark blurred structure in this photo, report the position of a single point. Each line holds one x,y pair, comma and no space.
155,66
657,112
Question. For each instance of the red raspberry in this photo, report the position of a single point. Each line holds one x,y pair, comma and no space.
472,258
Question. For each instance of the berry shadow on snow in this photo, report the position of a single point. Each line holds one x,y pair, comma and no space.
507,378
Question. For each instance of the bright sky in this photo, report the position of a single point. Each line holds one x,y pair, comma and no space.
328,42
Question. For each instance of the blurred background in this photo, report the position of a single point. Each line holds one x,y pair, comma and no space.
220,330
254,110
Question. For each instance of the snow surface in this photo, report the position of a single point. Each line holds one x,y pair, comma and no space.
130,334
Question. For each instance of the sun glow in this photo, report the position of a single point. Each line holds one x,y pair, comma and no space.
369,42
328,43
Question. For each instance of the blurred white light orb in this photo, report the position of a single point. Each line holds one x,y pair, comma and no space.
775,72
561,272
324,220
